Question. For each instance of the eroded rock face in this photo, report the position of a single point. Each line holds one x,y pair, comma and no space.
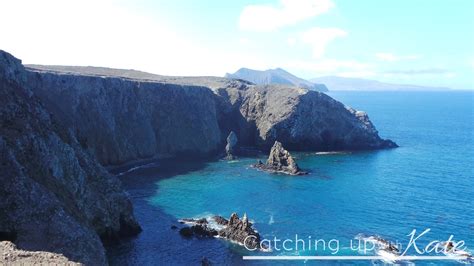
54,196
280,161
304,120
10,255
231,146
120,120
235,229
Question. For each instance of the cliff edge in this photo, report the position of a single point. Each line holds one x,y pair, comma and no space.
124,118
54,195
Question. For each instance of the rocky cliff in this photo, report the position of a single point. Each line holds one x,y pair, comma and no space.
54,196
300,119
124,118
121,119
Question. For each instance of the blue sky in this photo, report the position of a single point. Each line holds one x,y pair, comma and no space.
418,42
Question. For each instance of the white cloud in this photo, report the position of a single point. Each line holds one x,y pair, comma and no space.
386,57
244,41
450,75
319,38
389,57
291,41
269,17
422,71
357,74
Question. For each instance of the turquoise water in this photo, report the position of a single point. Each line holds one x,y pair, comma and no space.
426,183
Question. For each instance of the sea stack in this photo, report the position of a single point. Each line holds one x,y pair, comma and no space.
280,161
231,147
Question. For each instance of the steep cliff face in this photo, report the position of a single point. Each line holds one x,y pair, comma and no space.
122,119
299,118
54,196
125,118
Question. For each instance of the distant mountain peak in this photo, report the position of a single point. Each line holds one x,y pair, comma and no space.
274,76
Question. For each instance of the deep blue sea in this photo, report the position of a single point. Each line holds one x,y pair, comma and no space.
425,183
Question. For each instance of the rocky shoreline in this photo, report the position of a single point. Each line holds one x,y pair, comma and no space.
61,126
234,229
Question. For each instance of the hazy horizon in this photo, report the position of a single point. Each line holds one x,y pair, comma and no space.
68,68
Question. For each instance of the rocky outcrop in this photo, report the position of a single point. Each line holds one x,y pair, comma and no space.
280,161
54,196
10,255
235,229
231,146
241,231
304,120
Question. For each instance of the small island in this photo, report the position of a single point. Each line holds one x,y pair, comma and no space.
280,161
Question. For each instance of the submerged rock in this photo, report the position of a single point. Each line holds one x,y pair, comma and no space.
199,230
205,262
234,229
230,148
198,227
186,232
280,161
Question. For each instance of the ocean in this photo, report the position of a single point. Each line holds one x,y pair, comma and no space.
426,183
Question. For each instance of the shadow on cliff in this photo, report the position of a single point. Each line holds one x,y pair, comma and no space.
158,241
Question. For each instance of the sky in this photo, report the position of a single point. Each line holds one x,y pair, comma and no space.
422,42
